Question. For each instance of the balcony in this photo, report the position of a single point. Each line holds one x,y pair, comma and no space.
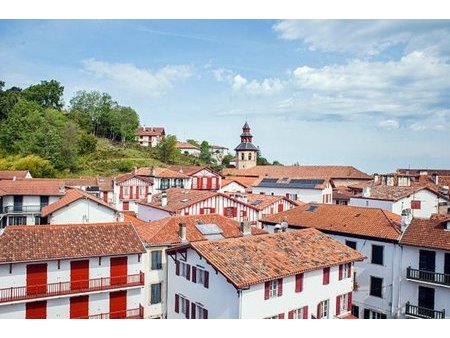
428,276
137,313
67,288
22,209
421,312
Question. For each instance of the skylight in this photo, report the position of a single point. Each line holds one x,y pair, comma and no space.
312,208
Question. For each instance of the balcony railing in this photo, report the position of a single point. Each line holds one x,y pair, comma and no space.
22,209
137,313
67,288
422,312
428,276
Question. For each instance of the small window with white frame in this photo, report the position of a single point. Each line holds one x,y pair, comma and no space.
298,313
200,276
347,270
324,309
344,303
183,269
199,312
273,288
182,304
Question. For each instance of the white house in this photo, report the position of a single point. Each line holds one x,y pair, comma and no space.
21,201
169,232
233,186
176,201
150,136
71,271
188,149
165,178
77,207
425,270
129,188
202,177
422,201
218,153
374,232
302,274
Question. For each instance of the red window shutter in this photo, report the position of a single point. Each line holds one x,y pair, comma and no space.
121,192
186,212
213,210
280,207
338,305
205,314
177,301
281,316
194,274
318,310
326,276
187,309
305,312
291,315
415,204
206,284
193,311
349,305
188,272
202,211
234,211
266,290
349,270
299,282
177,268
244,213
280,287
341,268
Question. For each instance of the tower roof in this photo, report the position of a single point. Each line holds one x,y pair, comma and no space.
246,126
246,146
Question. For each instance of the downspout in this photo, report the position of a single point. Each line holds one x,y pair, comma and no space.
240,303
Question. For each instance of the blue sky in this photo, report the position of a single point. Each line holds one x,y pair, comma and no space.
373,94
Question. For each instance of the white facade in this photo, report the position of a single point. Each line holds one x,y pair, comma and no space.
222,300
429,203
206,180
82,211
161,184
59,291
233,187
303,195
190,151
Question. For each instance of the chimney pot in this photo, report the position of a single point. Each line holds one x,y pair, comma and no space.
149,197
246,229
182,232
163,199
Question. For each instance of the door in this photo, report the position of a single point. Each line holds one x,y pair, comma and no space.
79,307
427,260
79,275
426,301
18,203
118,270
36,310
37,279
105,196
447,268
118,304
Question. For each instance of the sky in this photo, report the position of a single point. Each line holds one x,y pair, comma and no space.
369,93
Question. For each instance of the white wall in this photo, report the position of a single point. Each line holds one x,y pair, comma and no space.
148,213
233,187
304,195
83,211
370,203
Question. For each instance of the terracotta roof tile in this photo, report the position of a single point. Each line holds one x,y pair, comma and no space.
165,231
71,196
370,222
186,145
260,201
191,169
252,260
150,131
428,233
32,187
392,193
160,172
10,174
47,242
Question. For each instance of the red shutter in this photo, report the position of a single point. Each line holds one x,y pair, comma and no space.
280,207
305,312
299,282
205,314
318,310
338,305
202,211
234,211
192,311
188,272
341,267
206,284
187,309
349,270
194,274
177,301
36,310
177,268
121,192
281,316
266,290
146,191
349,305
291,315
280,287
212,210
326,276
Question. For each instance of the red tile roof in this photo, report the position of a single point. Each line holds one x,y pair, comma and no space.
252,260
225,182
260,201
428,233
165,231
32,187
369,222
160,172
21,243
149,131
192,169
325,172
392,193
71,196
128,176
10,174
128,217
186,145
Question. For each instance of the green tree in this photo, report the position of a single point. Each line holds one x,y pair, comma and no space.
48,94
205,155
226,160
124,123
87,143
8,99
262,161
193,142
276,163
167,151
37,166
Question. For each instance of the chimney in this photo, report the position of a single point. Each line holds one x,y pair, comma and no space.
152,171
14,178
435,178
246,229
120,217
135,171
366,192
376,178
284,225
182,232
277,228
149,198
163,199
406,219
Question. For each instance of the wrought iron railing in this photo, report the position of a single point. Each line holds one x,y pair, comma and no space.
428,276
422,312
137,313
22,209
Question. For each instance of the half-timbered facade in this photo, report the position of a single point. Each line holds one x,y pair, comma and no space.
129,189
202,178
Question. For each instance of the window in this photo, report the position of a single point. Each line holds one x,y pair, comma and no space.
370,314
249,156
447,264
17,220
155,297
415,205
183,305
377,254
199,275
273,288
242,156
326,276
355,310
199,312
156,260
126,190
292,196
298,313
179,183
37,220
141,190
343,303
376,286
165,182
44,201
323,309
183,269
278,316
351,244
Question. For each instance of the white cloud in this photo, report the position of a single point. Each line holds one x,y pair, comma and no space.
389,124
368,37
239,82
139,80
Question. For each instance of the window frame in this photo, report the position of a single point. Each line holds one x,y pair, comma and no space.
152,302
324,309
298,313
159,262
371,289
372,258
347,242
273,288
